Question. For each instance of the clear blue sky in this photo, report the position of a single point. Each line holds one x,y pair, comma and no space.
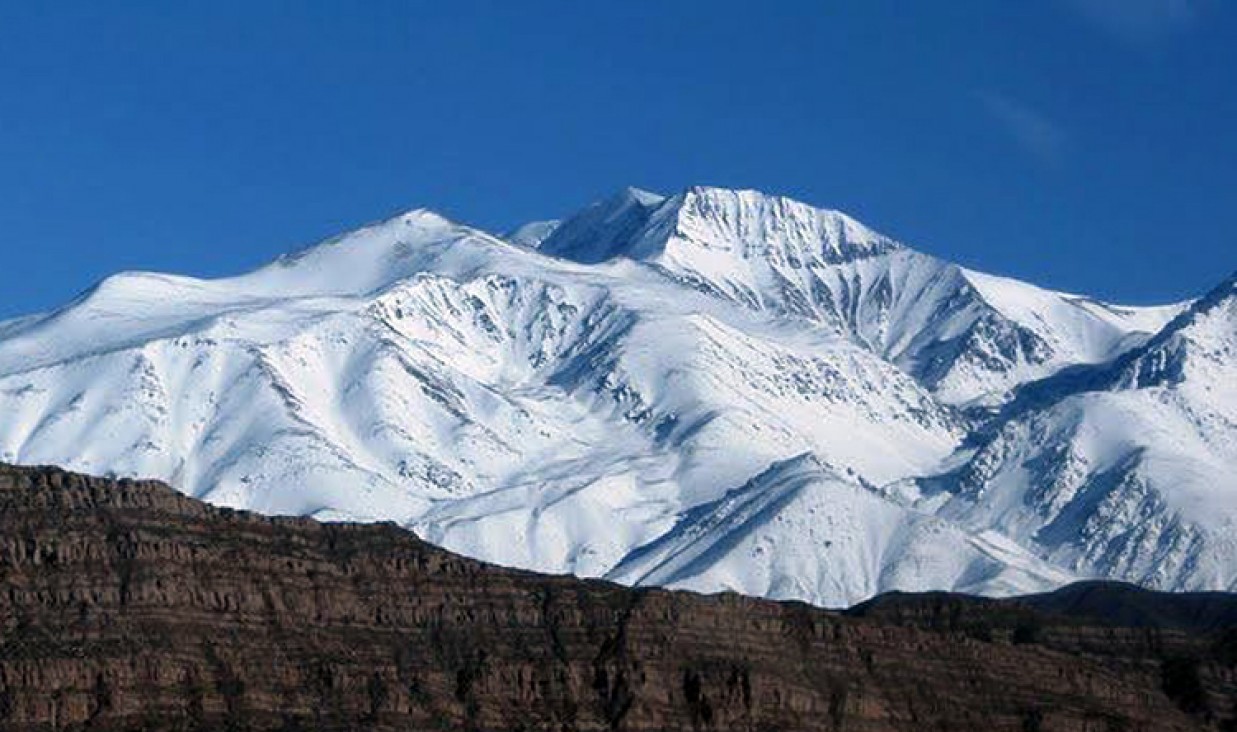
1088,145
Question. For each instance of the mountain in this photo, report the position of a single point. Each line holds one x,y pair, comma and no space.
128,606
717,390
800,529
1122,469
963,334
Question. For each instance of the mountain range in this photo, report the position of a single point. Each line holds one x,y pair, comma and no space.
716,390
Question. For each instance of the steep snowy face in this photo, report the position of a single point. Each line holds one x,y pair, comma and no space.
733,233
605,230
717,390
967,336
1196,347
1124,469
718,234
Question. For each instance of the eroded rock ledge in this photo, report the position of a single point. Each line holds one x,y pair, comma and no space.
127,606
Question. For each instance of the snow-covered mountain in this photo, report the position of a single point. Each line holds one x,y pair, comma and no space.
1121,469
963,334
717,390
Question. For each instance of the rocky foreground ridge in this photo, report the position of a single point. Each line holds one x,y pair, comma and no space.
127,606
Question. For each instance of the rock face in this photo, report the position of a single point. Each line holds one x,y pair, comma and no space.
127,606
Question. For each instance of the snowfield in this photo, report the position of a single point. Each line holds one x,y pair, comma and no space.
718,390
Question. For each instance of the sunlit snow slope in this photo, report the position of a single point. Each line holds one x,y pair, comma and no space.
714,390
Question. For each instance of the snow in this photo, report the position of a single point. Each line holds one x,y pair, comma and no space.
1092,331
713,390
800,529
533,234
1127,469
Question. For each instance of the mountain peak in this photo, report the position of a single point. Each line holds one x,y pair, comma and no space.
532,234
736,223
361,261
638,196
753,224
421,216
604,230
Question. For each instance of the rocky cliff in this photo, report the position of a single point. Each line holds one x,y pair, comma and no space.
127,606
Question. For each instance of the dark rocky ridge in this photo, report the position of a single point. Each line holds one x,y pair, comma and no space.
126,606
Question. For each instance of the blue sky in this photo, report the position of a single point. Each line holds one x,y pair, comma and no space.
1085,145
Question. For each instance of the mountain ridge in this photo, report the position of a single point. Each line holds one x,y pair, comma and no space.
561,415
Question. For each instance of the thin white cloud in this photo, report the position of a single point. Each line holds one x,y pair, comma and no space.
1140,21
1027,127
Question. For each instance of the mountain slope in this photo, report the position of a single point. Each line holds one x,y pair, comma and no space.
516,407
1123,469
656,389
801,530
965,335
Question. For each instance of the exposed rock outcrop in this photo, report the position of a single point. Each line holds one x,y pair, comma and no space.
127,606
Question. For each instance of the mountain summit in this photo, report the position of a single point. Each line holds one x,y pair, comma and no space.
716,389
703,224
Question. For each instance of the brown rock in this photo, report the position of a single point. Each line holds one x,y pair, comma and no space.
126,606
